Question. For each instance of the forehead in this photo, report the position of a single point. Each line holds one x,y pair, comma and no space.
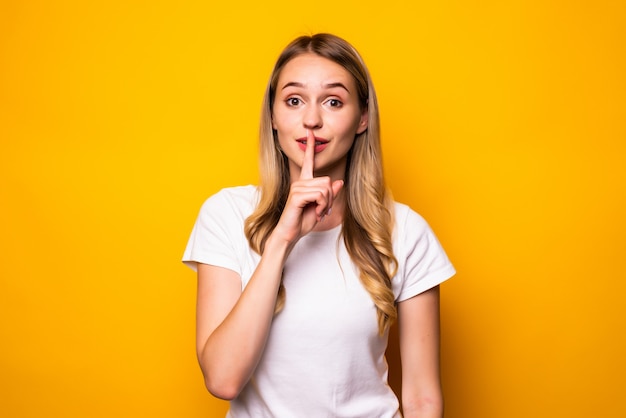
313,70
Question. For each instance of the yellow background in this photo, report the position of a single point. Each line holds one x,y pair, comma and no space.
503,123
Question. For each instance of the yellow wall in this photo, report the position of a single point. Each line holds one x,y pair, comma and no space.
504,125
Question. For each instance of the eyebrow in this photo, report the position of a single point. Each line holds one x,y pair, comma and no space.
327,85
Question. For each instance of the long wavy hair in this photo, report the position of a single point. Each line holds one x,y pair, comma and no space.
368,218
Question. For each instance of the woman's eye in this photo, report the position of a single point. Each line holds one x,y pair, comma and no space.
293,101
334,103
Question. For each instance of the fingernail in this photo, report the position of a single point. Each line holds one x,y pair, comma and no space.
328,211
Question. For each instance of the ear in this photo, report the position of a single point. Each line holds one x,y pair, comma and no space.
363,122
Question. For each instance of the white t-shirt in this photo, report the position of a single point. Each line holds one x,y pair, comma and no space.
324,356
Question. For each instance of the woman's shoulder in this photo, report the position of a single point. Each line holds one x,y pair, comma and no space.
229,200
410,228
236,195
422,261
405,217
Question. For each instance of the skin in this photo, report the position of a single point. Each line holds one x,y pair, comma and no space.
316,94
418,329
315,100
316,97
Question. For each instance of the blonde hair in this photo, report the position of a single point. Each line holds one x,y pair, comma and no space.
368,218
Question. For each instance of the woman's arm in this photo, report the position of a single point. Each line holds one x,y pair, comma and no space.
231,325
418,328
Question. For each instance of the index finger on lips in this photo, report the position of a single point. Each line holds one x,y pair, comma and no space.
309,156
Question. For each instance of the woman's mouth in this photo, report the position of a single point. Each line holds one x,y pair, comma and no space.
320,144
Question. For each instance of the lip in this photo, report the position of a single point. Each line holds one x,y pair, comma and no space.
320,143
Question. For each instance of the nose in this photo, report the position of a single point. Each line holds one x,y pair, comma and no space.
312,118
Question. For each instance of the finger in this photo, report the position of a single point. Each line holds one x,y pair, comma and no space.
337,186
309,156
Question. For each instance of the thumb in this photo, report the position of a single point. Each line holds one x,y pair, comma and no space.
337,186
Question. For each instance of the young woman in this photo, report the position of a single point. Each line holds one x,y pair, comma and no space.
300,278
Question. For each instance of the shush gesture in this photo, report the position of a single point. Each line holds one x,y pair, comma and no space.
308,163
310,198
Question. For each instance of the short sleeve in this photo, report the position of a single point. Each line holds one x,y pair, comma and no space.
422,262
217,235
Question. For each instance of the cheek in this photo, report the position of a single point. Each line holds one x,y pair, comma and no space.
281,133
348,127
281,121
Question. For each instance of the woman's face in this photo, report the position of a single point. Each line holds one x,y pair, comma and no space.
314,93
